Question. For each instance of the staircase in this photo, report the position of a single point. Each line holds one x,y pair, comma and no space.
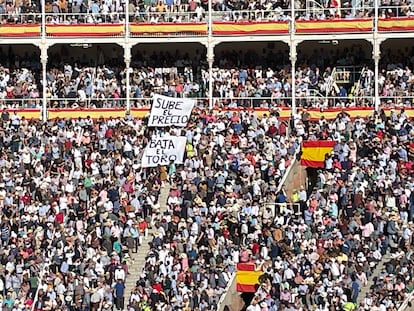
364,290
138,259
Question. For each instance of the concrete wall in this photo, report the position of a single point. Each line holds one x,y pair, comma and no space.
231,298
296,178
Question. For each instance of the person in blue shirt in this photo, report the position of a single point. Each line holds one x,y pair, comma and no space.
119,291
355,288
8,301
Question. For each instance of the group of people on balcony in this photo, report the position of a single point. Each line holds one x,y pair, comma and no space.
177,11
241,79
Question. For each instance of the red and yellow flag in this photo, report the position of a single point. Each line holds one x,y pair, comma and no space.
313,152
247,278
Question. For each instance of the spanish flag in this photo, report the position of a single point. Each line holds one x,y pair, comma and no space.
247,278
313,152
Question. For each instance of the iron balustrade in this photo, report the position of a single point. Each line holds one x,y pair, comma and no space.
364,17
315,102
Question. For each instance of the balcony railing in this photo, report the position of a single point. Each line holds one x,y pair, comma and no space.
307,101
140,107
224,23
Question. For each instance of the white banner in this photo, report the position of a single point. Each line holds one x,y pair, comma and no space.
164,150
170,111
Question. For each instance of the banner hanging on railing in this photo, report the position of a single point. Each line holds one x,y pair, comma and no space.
163,151
170,111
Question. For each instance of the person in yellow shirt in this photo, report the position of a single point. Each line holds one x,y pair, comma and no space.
294,199
189,150
295,196
349,306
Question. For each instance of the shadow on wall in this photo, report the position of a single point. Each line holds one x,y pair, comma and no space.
312,178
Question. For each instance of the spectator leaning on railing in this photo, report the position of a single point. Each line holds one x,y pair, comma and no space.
168,11
241,79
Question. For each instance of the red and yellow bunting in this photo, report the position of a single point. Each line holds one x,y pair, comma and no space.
396,24
284,113
28,114
85,30
219,28
332,26
83,113
25,30
166,28
259,28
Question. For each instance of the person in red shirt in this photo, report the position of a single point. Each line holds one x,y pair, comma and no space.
157,286
235,139
143,229
255,248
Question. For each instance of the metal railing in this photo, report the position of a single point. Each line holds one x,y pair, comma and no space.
358,84
312,99
331,81
85,18
21,103
313,12
91,103
406,303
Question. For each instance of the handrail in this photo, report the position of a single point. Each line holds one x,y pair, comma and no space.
179,24
330,82
312,4
358,85
279,187
310,99
309,13
406,302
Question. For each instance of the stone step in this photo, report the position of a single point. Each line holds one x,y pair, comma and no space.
139,258
364,290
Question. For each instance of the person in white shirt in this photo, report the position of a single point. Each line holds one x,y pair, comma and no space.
119,274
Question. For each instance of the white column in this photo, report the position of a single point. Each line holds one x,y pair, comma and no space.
210,18
210,55
293,55
293,58
210,60
43,60
127,59
376,52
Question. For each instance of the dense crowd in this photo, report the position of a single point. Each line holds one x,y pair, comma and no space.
355,227
67,224
241,79
76,202
233,165
92,12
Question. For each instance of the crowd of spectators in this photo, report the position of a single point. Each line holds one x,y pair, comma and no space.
71,193
357,217
233,165
92,12
241,79
75,202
